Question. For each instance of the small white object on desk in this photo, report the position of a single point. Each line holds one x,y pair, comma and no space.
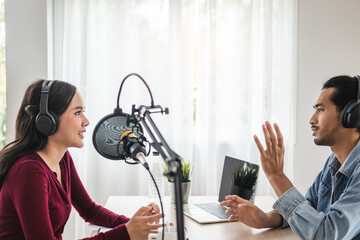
169,234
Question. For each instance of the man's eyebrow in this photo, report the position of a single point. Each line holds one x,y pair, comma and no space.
318,105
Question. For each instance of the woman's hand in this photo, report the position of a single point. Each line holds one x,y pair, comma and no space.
248,213
144,221
153,210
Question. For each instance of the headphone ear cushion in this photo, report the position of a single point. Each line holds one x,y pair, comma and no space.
351,115
46,124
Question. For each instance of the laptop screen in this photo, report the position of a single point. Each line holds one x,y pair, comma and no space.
238,178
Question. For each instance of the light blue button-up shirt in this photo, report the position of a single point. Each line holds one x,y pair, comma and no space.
331,207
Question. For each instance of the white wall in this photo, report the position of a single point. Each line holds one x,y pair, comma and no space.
328,45
26,52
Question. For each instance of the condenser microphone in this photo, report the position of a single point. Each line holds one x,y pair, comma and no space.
133,147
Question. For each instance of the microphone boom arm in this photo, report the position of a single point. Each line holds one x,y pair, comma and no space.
172,160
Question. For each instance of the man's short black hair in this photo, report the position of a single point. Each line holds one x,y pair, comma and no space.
346,90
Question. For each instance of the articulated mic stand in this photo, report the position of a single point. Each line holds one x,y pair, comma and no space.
172,160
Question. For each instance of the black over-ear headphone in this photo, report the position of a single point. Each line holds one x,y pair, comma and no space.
351,114
46,121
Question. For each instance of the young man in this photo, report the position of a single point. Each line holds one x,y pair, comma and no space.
331,207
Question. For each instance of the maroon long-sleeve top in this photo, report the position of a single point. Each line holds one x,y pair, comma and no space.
35,205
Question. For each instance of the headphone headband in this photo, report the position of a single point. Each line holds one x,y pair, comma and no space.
358,94
44,99
46,85
351,114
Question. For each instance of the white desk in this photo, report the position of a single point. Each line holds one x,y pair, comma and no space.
128,205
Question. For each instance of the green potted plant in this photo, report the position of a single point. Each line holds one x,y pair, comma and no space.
244,180
186,181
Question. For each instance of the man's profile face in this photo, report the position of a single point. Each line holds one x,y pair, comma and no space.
325,122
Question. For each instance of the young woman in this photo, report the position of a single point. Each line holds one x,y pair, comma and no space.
38,179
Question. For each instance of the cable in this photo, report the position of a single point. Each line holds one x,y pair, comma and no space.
161,205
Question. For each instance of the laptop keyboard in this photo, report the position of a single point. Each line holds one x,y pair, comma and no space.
214,208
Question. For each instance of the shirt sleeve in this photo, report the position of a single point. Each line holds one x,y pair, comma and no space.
311,195
30,198
308,223
94,213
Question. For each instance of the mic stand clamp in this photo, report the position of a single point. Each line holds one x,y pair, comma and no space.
172,160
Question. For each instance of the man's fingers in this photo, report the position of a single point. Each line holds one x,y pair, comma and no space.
236,198
233,201
279,136
233,217
259,145
267,138
229,203
272,140
272,136
230,210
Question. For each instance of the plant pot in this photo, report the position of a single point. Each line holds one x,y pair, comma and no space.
241,191
185,191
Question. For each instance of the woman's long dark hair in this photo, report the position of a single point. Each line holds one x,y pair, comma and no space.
27,138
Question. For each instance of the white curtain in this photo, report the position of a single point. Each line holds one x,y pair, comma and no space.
222,67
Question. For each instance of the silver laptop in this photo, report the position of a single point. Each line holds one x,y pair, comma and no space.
212,212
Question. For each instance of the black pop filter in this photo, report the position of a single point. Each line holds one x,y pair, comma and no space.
107,132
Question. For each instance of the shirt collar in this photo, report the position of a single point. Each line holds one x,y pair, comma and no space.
350,162
334,165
